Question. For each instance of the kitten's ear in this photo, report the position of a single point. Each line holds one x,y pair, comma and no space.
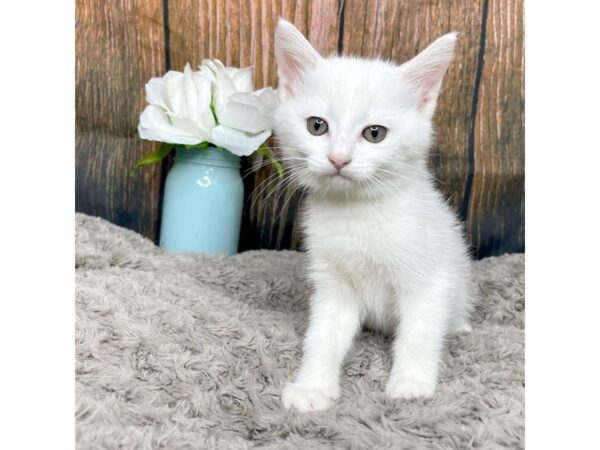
294,56
426,71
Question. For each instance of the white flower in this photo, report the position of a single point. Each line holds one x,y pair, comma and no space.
179,110
244,116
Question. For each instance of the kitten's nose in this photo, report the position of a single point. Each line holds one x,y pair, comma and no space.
339,162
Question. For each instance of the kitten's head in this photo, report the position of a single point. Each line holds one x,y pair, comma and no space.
349,125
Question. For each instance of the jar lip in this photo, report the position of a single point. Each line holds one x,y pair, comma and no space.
209,156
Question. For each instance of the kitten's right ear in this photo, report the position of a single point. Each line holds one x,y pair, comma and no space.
294,56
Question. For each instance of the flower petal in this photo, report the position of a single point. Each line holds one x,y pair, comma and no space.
204,118
268,97
220,78
190,93
155,126
242,79
247,99
222,84
245,118
174,94
188,126
238,142
155,92
151,134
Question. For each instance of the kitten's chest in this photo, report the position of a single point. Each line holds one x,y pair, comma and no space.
353,238
358,245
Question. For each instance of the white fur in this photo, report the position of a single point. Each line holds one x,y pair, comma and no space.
385,250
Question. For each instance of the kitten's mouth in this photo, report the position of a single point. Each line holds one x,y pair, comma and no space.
339,175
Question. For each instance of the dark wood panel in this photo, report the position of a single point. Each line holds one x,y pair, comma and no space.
119,46
496,208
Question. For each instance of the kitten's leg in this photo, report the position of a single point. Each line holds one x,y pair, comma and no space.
419,341
463,305
333,324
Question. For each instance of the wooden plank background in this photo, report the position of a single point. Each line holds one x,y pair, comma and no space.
478,156
119,45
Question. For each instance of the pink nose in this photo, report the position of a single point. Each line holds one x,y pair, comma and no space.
338,162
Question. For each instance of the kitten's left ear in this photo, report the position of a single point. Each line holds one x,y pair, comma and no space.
425,72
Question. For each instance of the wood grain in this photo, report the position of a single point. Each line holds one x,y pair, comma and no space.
496,208
119,46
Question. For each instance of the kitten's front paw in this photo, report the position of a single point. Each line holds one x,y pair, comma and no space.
407,388
306,399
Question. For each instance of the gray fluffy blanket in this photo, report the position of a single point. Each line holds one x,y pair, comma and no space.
188,351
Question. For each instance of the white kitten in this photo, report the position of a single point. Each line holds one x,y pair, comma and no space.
385,250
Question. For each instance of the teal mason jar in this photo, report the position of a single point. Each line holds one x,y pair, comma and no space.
202,204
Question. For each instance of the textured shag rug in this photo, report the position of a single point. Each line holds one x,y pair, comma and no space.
182,351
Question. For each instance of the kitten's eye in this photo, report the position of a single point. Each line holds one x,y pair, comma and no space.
316,126
374,133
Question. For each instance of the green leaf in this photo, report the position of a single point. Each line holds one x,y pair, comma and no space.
212,110
201,145
266,152
158,155
278,166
